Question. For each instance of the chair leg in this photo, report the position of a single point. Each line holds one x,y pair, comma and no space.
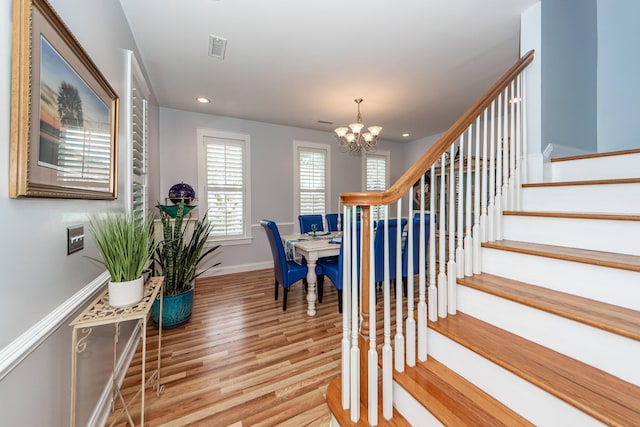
320,287
276,290
284,300
339,301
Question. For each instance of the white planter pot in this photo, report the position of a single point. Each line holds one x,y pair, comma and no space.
124,294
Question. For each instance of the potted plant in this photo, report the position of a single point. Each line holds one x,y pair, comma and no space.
126,247
179,255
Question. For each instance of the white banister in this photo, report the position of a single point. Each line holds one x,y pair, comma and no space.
483,180
505,153
433,290
475,232
491,235
354,266
372,354
468,240
422,291
411,323
452,271
387,354
460,259
399,343
346,317
512,149
523,174
442,219
518,139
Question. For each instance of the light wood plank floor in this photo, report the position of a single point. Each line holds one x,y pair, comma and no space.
241,360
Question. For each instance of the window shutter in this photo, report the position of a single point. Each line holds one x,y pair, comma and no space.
225,186
139,151
312,170
376,170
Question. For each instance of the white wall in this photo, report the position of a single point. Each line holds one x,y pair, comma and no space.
272,171
618,83
38,276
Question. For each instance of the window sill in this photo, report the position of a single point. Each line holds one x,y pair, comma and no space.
233,241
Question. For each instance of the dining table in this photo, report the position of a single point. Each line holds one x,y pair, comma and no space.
311,247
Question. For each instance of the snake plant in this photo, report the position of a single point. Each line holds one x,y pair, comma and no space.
182,249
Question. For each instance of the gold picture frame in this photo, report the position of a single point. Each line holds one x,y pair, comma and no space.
64,113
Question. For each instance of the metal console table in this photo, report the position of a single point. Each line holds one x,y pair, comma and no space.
98,313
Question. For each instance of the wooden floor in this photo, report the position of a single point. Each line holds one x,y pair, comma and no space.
241,360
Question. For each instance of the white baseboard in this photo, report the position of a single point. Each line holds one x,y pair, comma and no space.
238,268
16,351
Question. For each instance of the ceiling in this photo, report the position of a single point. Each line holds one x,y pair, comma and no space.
418,64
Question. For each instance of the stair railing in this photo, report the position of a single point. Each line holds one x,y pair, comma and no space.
466,180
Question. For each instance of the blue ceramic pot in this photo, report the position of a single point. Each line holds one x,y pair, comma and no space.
176,310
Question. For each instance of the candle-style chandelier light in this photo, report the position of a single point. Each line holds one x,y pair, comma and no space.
352,139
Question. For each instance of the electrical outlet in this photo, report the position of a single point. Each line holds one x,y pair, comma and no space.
75,239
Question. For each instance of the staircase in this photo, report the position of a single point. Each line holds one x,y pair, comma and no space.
549,333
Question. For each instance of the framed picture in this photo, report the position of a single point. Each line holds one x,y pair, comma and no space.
63,112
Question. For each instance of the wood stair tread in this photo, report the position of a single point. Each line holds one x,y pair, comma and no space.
611,318
453,400
596,155
576,215
585,182
343,416
586,256
601,395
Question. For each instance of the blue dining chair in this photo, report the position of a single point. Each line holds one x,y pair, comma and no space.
332,221
416,246
306,221
286,272
332,267
378,247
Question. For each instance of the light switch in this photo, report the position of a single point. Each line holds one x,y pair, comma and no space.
75,239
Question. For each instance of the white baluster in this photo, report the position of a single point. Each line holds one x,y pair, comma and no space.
460,211
523,174
452,270
399,342
498,209
346,311
518,139
372,354
505,154
422,297
411,323
483,181
512,150
355,316
491,234
442,238
468,209
475,233
387,354
433,290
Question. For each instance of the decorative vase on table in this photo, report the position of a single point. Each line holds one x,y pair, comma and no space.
125,294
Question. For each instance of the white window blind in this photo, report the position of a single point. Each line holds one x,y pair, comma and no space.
312,171
139,151
376,178
225,186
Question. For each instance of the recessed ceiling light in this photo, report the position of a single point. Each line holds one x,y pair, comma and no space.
405,135
203,99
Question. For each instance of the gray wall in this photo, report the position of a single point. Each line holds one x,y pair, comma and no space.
618,82
38,276
569,83
272,172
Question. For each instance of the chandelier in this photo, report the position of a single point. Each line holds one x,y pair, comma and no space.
352,139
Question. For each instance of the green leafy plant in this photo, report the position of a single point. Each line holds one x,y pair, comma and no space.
125,244
182,250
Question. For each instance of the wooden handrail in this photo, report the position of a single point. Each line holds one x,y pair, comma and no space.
413,174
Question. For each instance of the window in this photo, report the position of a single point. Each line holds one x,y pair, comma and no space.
376,176
312,176
224,184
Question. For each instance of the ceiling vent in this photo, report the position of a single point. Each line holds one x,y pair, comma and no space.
217,46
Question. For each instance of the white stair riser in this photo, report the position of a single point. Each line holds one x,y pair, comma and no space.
608,167
609,352
518,394
411,409
601,235
610,285
609,198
